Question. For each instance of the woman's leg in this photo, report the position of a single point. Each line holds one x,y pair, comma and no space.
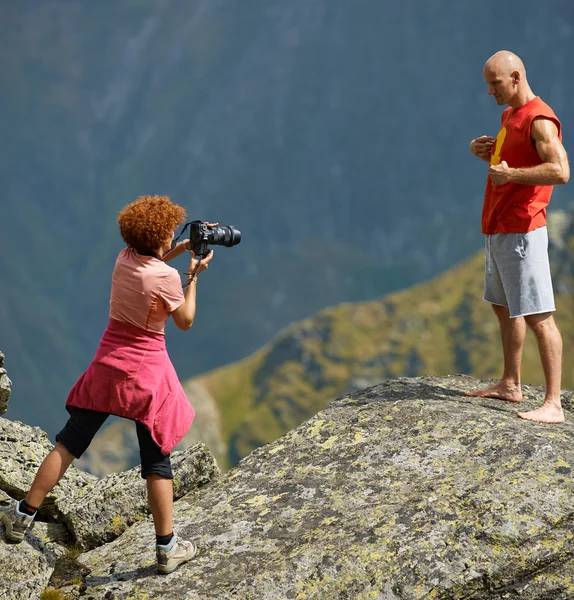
160,498
171,551
156,470
50,472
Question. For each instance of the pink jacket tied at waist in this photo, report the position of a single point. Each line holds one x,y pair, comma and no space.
132,376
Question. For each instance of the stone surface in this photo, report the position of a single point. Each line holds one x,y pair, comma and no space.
5,386
26,568
22,450
408,490
104,508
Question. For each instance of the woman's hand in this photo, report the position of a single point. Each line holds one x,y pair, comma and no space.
203,264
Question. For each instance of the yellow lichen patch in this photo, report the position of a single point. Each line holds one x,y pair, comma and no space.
329,443
117,525
316,428
496,549
280,474
277,449
359,437
388,418
257,501
261,500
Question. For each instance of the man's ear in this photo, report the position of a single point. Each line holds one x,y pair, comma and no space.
516,76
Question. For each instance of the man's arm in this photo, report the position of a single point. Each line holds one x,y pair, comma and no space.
555,169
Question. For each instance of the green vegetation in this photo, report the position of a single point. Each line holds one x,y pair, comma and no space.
51,593
72,552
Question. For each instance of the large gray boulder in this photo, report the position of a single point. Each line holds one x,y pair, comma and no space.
5,386
104,508
408,490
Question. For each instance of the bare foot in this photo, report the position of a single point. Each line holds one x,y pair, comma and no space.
500,391
547,413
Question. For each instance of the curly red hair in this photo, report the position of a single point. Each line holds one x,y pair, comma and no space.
148,222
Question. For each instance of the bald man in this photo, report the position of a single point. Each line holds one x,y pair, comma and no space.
526,160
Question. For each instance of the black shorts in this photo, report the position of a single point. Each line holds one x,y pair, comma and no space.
83,425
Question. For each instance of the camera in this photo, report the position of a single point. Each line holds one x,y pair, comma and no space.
201,236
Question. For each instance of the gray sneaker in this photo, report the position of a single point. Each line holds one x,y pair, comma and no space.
174,554
16,523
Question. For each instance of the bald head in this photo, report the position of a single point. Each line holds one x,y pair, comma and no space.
505,63
505,75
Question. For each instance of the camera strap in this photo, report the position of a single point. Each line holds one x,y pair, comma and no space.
191,276
150,253
186,226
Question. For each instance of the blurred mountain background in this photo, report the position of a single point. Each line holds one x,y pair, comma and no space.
333,134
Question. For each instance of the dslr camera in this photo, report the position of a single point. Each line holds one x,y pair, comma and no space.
201,236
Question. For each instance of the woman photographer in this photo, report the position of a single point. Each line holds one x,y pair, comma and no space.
131,374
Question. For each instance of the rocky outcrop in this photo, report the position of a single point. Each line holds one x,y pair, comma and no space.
82,512
5,386
408,490
91,514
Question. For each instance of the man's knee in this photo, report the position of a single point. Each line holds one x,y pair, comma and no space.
541,323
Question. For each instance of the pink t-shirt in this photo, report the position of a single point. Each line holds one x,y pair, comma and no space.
145,291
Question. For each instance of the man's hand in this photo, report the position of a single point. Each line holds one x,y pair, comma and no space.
499,174
482,147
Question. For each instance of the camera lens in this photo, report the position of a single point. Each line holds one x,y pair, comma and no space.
225,236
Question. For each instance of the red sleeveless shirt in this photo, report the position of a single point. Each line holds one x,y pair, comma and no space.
516,207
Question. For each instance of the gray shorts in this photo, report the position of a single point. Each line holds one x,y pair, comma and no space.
517,272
